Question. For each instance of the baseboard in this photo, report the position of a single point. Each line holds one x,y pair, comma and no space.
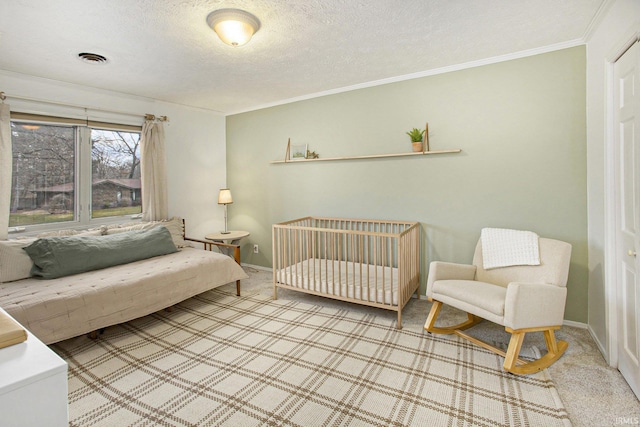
257,267
575,324
602,349
424,296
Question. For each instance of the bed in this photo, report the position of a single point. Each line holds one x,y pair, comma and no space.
369,262
60,308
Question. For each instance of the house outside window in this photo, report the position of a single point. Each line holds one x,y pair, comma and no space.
69,175
44,165
115,166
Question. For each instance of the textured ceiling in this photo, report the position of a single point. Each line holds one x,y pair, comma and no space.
163,49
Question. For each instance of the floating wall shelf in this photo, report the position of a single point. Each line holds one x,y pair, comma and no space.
372,156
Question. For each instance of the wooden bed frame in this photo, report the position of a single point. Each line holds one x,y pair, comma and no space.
369,262
208,246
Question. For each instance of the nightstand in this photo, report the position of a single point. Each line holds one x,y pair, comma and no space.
231,238
227,244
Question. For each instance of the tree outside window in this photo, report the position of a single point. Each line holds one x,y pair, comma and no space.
115,169
45,173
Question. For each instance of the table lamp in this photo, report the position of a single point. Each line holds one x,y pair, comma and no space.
224,198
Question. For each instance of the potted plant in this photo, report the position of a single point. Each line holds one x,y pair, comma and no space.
416,138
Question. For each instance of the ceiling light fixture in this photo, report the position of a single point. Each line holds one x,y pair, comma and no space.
235,27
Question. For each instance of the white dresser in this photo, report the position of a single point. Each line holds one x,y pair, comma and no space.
33,385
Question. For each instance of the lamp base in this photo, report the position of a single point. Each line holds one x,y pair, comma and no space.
225,232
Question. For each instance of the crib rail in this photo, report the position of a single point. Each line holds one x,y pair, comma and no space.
372,262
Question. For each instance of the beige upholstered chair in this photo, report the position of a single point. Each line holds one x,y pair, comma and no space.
520,298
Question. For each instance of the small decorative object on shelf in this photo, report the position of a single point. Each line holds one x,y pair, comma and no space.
425,141
312,155
416,136
295,152
298,152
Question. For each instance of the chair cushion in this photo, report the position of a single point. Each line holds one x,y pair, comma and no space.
480,294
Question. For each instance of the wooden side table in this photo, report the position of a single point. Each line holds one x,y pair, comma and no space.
218,240
231,238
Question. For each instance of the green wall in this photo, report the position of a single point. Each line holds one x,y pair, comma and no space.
521,127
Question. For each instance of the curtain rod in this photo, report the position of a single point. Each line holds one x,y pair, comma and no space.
159,118
4,96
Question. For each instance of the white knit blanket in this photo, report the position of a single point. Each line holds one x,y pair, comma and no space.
503,248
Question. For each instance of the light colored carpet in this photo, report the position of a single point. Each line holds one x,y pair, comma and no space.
593,393
218,359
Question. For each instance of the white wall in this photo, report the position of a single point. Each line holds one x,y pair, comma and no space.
195,139
619,25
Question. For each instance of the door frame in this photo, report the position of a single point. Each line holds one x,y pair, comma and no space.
611,170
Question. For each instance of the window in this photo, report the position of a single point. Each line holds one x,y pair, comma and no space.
43,174
78,175
115,170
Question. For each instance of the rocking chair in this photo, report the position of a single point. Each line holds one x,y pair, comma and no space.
522,298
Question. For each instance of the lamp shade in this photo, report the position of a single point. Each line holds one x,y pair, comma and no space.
224,197
235,27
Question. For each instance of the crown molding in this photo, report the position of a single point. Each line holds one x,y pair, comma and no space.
8,74
427,73
597,19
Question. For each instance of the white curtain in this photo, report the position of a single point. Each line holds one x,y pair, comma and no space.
153,171
6,167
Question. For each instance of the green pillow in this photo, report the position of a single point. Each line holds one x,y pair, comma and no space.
62,256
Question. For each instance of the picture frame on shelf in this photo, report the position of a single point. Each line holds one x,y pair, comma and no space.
298,152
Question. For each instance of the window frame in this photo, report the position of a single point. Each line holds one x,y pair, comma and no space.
82,174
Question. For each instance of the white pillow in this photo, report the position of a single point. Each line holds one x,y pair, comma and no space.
69,232
58,233
15,263
174,225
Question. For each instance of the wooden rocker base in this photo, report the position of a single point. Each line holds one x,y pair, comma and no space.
433,315
555,349
512,363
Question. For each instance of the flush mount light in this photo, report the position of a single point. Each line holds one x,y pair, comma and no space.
235,27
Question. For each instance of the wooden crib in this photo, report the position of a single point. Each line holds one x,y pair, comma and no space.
375,263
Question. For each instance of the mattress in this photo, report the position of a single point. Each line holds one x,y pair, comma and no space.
57,309
346,279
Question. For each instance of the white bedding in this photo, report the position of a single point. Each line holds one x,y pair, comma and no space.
343,278
57,309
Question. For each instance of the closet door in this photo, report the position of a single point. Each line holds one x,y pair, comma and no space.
627,140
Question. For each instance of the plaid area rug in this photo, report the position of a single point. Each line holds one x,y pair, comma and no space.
222,360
